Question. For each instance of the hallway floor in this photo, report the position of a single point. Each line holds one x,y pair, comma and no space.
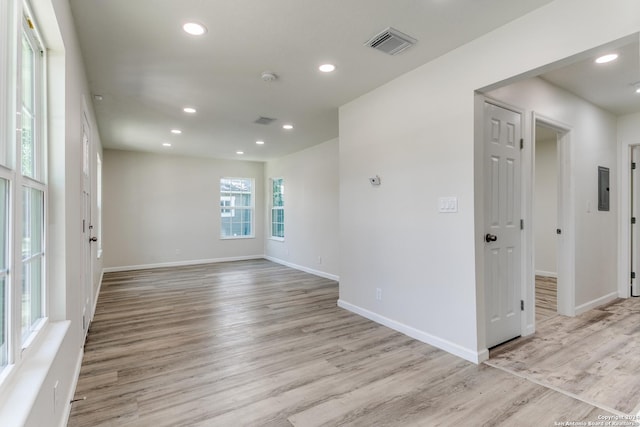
593,356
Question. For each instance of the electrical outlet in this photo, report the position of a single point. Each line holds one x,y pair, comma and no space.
55,396
379,294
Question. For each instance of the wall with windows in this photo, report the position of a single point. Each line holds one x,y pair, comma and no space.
166,210
310,199
417,133
48,215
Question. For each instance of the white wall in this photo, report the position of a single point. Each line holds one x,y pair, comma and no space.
546,207
593,140
417,133
27,399
311,179
163,209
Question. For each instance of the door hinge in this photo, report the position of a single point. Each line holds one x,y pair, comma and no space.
522,224
633,275
521,143
633,165
521,305
633,220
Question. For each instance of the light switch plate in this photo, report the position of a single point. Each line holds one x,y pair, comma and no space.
448,204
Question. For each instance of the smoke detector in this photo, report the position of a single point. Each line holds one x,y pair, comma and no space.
268,76
391,41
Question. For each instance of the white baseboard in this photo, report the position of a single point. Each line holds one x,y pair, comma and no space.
448,346
305,269
546,274
72,390
95,300
179,263
596,303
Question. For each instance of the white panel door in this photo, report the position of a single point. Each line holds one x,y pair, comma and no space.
502,133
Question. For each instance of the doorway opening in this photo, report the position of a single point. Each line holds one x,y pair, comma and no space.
545,221
552,213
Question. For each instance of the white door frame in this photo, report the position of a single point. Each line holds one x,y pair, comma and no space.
624,219
480,100
566,217
566,221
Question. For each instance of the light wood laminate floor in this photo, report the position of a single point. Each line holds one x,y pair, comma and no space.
253,343
546,298
594,356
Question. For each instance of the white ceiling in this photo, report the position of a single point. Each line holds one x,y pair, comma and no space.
147,69
611,86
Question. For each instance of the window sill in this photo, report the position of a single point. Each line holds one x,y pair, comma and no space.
237,237
24,382
276,239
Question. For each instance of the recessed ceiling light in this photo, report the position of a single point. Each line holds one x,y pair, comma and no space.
189,110
260,142
176,131
194,28
607,58
638,90
166,144
287,127
327,68
239,152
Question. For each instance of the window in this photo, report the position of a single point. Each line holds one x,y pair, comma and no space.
4,271
277,208
31,182
32,260
23,189
236,207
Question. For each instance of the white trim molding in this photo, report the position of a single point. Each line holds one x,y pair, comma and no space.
72,391
303,268
583,308
179,263
448,346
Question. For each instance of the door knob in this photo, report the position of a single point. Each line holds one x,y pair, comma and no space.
490,238
93,239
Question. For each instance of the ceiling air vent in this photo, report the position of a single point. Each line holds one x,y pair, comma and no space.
391,41
264,120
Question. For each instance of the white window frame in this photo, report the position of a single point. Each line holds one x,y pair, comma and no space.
273,208
17,20
38,181
231,197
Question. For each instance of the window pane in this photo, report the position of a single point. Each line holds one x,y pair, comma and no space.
236,207
277,210
27,73
278,192
33,217
4,243
4,236
32,259
28,108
